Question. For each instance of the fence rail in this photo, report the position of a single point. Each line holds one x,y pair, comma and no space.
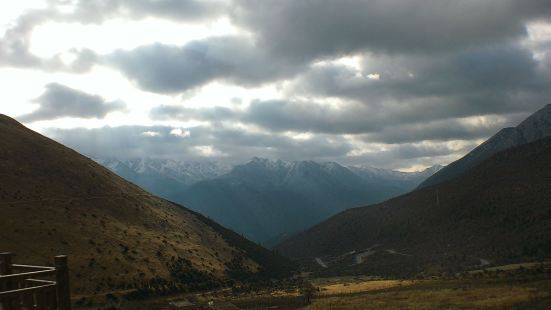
19,288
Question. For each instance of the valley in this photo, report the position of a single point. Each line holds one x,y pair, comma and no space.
521,286
267,200
275,154
482,233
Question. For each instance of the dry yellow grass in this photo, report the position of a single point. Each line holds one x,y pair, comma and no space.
440,295
513,267
358,287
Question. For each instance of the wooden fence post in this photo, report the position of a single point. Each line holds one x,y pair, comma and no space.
6,269
5,263
62,286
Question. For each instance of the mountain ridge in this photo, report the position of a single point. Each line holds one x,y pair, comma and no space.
536,126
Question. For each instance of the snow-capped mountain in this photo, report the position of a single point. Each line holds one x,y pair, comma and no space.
269,199
266,199
186,173
164,177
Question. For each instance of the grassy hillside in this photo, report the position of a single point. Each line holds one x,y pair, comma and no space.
118,237
497,212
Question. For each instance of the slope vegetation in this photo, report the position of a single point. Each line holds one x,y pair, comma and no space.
497,212
56,201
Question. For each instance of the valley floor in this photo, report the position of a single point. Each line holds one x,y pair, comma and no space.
445,294
519,286
350,294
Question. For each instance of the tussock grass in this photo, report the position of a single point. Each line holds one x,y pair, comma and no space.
445,294
358,287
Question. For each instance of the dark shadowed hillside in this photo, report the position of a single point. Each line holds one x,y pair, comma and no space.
535,127
56,201
497,212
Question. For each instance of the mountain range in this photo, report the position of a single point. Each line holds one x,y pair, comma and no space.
267,200
118,236
164,177
497,211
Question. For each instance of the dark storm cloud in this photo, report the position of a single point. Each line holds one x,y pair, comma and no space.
311,29
235,145
280,116
229,144
409,154
310,117
61,101
487,69
464,44
482,70
483,81
386,124
439,130
416,98
172,69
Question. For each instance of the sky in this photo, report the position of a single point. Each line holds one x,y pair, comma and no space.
385,83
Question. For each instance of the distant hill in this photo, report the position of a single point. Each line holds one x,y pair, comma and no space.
269,200
405,181
535,127
56,201
496,212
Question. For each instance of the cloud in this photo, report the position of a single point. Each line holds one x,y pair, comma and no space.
314,29
467,44
179,132
16,42
491,69
388,124
233,145
407,155
59,101
96,11
466,129
498,79
230,144
172,112
174,69
425,75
